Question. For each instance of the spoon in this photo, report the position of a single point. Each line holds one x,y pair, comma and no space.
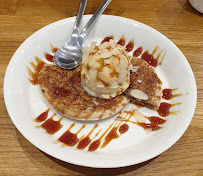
69,49
69,55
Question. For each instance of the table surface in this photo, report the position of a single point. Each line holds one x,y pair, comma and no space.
176,19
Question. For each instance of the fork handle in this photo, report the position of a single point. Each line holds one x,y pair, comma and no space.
93,20
79,18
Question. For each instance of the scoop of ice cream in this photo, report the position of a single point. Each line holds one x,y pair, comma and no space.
105,70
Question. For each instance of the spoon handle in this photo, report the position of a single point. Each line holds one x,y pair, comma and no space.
93,20
79,18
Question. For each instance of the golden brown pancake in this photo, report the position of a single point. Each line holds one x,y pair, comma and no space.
145,79
65,94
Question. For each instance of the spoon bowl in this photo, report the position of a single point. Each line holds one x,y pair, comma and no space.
69,55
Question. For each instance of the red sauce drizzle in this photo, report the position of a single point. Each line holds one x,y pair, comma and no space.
37,68
149,58
52,126
137,52
156,120
49,57
106,39
42,116
129,47
153,126
86,141
123,128
164,109
121,41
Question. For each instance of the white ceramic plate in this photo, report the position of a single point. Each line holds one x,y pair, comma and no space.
24,101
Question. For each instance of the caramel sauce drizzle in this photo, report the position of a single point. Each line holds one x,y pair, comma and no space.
162,58
113,133
150,57
158,56
42,116
69,138
86,141
174,112
129,47
49,57
121,41
164,109
53,49
94,145
110,136
155,50
137,52
51,126
154,125
156,120
106,39
123,128
167,94
37,67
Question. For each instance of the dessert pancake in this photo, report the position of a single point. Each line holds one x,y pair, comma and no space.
145,86
63,90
